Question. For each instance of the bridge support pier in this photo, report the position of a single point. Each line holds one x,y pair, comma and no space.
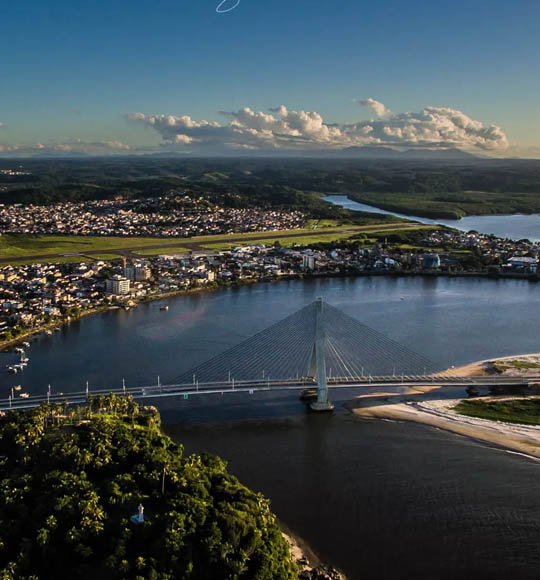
318,364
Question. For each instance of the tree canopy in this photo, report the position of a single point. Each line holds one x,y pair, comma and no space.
71,480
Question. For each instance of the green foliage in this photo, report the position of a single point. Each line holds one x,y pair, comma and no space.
525,411
431,204
432,188
69,482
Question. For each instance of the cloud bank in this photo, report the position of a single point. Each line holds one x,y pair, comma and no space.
75,147
284,129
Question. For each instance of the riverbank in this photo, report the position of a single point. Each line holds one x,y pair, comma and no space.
309,565
59,322
435,407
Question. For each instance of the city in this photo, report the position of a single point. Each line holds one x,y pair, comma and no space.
36,296
269,290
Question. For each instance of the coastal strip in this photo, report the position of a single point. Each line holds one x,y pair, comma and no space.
429,406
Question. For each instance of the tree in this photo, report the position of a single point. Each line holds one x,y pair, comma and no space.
69,488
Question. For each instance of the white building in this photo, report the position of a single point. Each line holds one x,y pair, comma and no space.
117,285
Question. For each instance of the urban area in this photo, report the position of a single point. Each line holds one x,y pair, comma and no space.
42,296
171,216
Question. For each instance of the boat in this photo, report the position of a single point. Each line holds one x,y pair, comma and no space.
164,307
26,344
48,332
19,350
17,388
12,369
24,395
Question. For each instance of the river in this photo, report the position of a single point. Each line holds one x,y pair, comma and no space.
514,227
378,499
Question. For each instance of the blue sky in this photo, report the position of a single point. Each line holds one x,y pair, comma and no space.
74,70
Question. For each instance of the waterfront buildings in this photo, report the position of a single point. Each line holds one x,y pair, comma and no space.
118,285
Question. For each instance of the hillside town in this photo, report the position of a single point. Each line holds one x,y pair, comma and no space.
170,216
44,295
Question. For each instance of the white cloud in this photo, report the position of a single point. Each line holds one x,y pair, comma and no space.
377,107
77,146
284,129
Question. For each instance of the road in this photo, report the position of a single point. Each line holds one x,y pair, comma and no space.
186,390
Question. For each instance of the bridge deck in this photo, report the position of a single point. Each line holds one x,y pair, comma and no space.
250,387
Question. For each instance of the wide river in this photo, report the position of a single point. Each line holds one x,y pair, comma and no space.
377,499
513,227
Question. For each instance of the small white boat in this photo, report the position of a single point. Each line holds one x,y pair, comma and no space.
24,395
17,388
165,307
12,370
19,350
48,332
26,344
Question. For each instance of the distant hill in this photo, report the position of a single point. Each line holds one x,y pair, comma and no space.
450,154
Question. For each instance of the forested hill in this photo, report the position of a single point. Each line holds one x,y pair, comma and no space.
434,188
71,482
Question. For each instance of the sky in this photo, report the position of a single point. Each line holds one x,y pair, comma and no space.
212,76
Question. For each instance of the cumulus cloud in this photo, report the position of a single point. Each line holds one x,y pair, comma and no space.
77,146
377,107
284,129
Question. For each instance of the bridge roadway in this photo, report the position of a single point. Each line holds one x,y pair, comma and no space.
251,387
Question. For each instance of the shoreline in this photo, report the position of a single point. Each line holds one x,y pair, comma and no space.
60,322
431,406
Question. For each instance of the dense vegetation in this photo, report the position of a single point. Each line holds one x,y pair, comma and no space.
69,483
526,411
432,188
453,205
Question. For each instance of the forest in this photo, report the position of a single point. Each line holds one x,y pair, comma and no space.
431,188
71,480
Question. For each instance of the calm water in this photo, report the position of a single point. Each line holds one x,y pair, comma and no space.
378,499
514,227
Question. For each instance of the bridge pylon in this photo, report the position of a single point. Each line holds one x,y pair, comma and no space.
318,362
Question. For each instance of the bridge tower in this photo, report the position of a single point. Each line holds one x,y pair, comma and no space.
318,362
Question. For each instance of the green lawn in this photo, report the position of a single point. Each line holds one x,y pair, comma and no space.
286,242
526,411
19,246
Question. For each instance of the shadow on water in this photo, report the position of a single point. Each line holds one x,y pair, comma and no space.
377,499
385,499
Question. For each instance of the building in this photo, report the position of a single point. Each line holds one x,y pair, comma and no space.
308,262
522,264
118,285
138,273
431,262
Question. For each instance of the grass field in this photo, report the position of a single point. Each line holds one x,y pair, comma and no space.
15,248
20,245
525,411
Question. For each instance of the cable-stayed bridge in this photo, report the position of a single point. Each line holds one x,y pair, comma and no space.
317,347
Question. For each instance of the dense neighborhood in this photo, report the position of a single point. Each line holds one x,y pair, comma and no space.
37,295
174,215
